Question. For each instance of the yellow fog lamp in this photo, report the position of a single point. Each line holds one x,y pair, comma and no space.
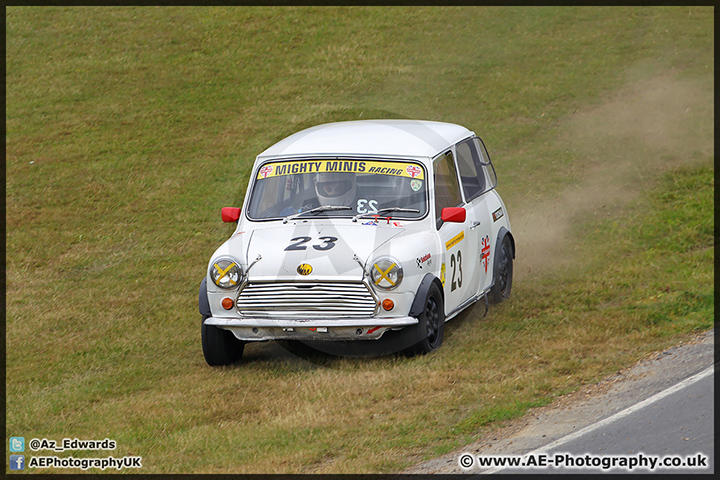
386,273
225,273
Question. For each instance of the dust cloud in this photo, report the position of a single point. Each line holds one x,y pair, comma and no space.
620,147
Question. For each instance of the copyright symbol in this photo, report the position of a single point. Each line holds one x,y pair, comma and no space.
466,460
34,444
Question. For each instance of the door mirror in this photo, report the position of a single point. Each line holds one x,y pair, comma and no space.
453,214
230,214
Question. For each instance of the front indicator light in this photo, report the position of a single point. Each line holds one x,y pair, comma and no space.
388,304
227,303
386,273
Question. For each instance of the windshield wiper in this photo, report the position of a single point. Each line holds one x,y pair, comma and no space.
323,208
385,210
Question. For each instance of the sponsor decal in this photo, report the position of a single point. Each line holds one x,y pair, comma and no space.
415,185
485,251
455,240
265,171
425,258
398,169
413,170
442,275
498,214
304,269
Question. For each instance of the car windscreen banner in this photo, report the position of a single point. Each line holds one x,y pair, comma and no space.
398,169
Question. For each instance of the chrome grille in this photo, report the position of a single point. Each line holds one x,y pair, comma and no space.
306,300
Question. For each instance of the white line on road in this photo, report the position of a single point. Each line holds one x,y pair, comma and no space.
621,414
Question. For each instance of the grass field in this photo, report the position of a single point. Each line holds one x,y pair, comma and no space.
129,128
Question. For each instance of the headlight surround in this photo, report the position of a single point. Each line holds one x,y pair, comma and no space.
387,273
226,273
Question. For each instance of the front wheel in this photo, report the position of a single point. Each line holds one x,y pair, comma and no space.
431,322
503,273
220,347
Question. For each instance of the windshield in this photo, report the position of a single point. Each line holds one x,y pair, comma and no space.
284,189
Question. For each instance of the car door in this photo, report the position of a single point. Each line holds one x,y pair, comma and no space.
475,183
458,240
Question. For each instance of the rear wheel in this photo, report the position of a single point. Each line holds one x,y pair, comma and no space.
431,323
503,273
220,347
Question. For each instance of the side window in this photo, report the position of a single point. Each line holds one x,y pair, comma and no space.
447,190
486,165
470,164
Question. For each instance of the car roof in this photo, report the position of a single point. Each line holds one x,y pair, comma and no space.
384,138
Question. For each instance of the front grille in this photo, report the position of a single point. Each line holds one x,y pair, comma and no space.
306,300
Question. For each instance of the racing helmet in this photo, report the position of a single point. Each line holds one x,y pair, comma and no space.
335,188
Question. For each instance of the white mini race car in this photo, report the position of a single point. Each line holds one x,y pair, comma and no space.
370,232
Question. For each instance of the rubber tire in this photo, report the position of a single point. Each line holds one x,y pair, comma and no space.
502,284
431,322
220,347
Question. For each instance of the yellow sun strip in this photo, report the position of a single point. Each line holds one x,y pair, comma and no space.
455,240
224,272
384,274
398,169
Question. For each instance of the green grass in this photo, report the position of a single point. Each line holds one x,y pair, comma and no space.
129,128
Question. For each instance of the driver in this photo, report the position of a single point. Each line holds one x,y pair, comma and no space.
334,188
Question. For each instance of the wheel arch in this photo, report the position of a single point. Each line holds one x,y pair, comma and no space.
502,233
203,302
418,304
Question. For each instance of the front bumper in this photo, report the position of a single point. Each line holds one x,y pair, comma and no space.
262,329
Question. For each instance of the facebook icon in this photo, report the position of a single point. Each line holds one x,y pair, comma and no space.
17,462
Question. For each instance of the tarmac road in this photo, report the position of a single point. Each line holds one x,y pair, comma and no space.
677,424
661,409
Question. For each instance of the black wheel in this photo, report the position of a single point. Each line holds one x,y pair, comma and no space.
431,323
503,273
220,347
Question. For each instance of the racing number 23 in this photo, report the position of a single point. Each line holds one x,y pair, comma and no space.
456,265
327,243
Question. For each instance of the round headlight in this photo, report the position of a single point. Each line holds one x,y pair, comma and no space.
386,273
225,273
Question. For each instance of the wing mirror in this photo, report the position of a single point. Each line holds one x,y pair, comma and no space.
230,214
453,214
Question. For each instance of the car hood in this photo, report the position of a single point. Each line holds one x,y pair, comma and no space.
330,250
